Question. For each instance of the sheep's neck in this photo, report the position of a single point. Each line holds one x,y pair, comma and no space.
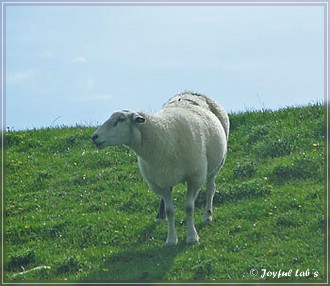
149,137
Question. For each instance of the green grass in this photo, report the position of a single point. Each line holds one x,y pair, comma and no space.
89,216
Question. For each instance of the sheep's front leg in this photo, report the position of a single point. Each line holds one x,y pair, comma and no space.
172,238
192,235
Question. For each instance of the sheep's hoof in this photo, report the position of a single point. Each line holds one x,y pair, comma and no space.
171,242
207,219
192,240
160,220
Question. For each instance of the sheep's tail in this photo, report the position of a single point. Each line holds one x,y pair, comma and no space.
220,113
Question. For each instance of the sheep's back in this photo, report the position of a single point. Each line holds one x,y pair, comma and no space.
188,143
191,100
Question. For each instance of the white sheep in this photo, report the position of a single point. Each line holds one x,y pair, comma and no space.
185,142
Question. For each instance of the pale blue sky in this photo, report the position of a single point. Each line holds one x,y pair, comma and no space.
80,63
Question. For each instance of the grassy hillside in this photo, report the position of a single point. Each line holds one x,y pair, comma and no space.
88,215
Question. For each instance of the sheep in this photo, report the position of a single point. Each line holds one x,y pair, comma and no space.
185,142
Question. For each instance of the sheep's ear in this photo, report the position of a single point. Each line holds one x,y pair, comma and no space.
138,118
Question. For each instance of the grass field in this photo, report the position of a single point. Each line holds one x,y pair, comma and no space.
80,214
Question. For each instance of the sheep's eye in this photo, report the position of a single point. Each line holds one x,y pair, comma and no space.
120,119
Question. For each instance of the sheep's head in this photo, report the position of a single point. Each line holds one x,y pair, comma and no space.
117,130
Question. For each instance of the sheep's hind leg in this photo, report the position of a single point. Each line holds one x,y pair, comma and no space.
192,236
161,215
209,199
161,211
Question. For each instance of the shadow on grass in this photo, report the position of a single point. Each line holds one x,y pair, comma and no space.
147,263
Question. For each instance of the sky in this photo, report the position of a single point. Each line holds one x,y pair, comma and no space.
76,64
